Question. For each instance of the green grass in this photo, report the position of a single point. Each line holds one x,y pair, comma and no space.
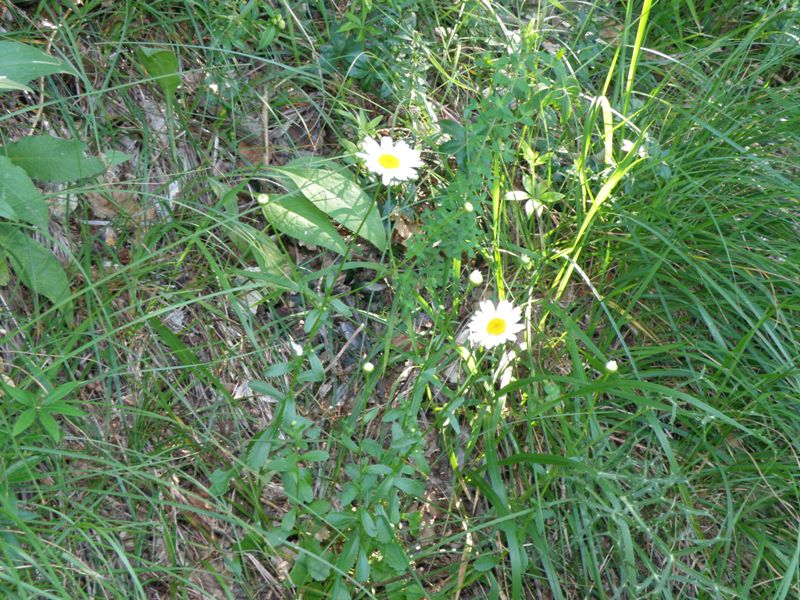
213,461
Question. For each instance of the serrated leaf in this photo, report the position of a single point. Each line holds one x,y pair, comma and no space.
295,216
20,63
47,158
347,557
19,198
395,557
412,487
220,479
162,66
341,199
25,420
368,523
316,561
36,266
362,567
314,456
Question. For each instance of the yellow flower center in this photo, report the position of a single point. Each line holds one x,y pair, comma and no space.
388,161
496,326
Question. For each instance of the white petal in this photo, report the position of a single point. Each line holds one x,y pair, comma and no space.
370,146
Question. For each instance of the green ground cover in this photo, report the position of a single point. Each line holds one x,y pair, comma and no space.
239,365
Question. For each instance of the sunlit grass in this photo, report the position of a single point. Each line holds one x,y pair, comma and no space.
660,143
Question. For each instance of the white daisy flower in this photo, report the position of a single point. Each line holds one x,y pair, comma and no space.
393,161
491,326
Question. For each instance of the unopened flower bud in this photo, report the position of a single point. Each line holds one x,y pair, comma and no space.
476,277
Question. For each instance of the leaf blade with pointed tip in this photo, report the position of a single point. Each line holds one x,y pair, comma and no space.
338,197
295,216
20,63
162,66
54,160
19,198
36,267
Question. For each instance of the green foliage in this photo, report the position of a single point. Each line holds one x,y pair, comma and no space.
162,66
20,63
42,408
47,159
36,266
20,200
51,159
337,196
316,195
235,444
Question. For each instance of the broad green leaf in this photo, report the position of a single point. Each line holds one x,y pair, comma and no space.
50,425
20,63
114,157
368,524
36,266
395,557
52,159
362,567
340,198
61,392
25,420
314,456
5,274
161,65
19,198
484,563
11,85
220,479
319,567
295,216
68,410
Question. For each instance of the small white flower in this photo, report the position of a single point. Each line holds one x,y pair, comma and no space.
393,161
468,206
368,367
476,277
611,366
493,325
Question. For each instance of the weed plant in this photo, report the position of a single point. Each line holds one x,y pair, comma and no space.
203,424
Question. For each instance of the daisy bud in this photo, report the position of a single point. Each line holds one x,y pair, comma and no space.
262,198
368,367
611,366
468,206
476,278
